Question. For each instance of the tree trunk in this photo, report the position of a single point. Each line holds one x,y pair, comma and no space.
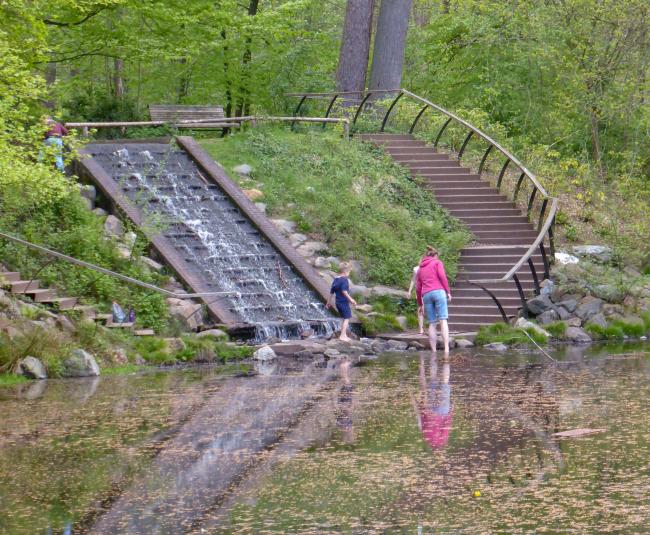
355,46
246,60
390,41
596,152
50,79
118,81
184,81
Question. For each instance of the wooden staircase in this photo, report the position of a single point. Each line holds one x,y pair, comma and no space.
503,233
13,281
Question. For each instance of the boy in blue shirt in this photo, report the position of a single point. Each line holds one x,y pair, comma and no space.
341,289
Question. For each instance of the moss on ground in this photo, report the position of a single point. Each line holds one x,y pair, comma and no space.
349,194
508,335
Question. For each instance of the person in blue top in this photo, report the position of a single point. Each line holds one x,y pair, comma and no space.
341,289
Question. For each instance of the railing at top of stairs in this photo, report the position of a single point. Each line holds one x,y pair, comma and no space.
537,197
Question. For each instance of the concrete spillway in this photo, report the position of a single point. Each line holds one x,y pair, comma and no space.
211,235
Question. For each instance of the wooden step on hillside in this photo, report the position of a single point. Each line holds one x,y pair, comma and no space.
502,232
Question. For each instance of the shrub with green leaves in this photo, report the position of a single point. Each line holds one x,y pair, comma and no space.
506,334
557,329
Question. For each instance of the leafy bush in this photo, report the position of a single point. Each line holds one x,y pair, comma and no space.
557,329
633,329
611,332
506,334
154,350
381,323
349,193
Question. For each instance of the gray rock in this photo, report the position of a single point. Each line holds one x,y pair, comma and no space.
539,304
152,263
402,321
365,308
139,361
332,353
88,191
391,292
379,346
418,346
598,319
113,226
243,169
212,333
80,363
64,323
523,323
186,312
588,307
563,313
599,253
463,343
608,292
265,353
298,239
576,334
358,289
334,262
612,310
283,225
546,287
574,321
88,204
261,207
355,266
100,212
548,316
32,367
311,248
305,354
396,345
321,262
569,304
496,346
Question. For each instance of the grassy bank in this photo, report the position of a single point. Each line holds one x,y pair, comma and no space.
346,193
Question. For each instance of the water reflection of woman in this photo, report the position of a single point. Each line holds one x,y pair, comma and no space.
344,410
434,410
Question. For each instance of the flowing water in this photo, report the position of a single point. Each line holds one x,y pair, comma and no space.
404,444
219,244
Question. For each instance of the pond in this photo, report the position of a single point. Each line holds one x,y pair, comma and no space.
403,444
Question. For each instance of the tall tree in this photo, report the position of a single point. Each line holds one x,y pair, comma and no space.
390,41
355,46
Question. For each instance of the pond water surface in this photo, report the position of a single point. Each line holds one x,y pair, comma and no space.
404,444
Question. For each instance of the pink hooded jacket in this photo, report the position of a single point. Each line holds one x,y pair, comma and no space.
431,276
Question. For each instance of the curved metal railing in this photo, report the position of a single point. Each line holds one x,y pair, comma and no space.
537,193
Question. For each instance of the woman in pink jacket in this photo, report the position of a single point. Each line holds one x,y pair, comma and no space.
433,292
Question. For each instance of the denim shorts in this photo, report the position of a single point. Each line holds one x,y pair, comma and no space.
435,303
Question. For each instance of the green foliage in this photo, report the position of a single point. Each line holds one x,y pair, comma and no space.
610,332
381,323
557,329
362,203
506,334
10,379
646,320
154,350
47,345
629,328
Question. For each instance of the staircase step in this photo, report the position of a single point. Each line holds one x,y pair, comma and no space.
105,319
42,295
21,287
433,172
480,196
391,144
494,265
9,276
383,137
503,227
125,325
425,152
483,301
461,213
426,160
144,332
476,202
87,311
64,303
487,309
474,187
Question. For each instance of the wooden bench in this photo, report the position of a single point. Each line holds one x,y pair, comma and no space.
180,116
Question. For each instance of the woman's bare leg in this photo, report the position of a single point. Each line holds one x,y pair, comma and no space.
432,337
344,331
421,320
444,328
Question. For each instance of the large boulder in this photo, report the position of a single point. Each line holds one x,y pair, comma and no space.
298,239
391,292
565,258
212,333
463,343
496,346
113,226
397,345
188,313
548,316
32,368
80,363
311,248
563,313
539,304
265,353
577,335
283,225
243,169
569,304
598,319
608,292
523,323
588,307
598,253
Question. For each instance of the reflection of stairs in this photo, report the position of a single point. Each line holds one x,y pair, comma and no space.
12,280
503,233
